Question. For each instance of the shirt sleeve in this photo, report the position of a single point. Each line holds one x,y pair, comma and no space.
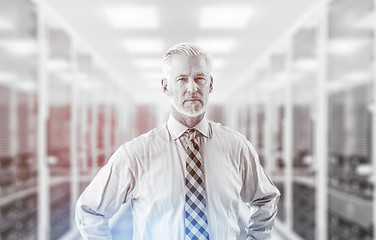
260,193
109,189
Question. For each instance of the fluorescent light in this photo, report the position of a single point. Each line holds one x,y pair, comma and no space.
358,75
56,64
281,76
89,85
148,63
153,76
12,79
26,86
132,17
305,64
5,24
274,84
217,45
366,23
344,46
154,84
8,76
19,47
225,16
292,75
218,63
70,77
143,45
349,80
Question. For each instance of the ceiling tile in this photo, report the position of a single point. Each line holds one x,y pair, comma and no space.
131,17
225,16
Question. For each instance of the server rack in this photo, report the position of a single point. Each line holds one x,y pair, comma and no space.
324,71
59,102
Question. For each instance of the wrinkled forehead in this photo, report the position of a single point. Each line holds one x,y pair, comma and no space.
188,62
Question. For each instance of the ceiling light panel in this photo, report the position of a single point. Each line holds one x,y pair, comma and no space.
132,17
217,45
344,46
149,63
225,17
19,47
306,64
143,45
155,84
218,63
5,24
26,86
56,64
6,76
153,76
366,23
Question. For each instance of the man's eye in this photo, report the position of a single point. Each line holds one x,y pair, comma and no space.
181,79
200,79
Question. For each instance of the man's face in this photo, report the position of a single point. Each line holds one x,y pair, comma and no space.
189,84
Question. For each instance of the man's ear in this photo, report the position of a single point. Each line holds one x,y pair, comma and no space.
164,83
211,84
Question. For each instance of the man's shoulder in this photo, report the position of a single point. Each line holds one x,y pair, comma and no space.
222,131
231,139
159,134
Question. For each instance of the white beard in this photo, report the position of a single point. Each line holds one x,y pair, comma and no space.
192,113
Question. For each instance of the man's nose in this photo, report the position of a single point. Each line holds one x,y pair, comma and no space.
192,85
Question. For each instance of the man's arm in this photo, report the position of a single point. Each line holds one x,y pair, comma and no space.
91,224
109,189
261,194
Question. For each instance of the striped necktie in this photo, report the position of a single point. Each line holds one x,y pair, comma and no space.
196,222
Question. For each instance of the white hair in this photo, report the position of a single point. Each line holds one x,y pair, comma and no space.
189,49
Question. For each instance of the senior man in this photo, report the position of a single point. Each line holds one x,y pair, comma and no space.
190,178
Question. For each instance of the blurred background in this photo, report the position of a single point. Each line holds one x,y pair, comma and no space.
296,77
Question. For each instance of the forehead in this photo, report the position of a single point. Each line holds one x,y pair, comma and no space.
181,62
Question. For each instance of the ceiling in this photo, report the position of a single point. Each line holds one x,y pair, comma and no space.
243,36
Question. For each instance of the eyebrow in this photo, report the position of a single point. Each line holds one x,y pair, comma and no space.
200,74
195,75
182,75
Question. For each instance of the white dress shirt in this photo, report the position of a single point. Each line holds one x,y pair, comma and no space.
149,172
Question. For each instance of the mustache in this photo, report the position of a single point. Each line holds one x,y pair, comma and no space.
193,97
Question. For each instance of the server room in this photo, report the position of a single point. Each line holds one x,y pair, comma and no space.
297,78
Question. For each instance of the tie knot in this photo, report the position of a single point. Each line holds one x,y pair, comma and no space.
192,133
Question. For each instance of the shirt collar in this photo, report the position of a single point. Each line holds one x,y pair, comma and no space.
177,129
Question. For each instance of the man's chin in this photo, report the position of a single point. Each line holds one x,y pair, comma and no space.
190,109
193,106
192,112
